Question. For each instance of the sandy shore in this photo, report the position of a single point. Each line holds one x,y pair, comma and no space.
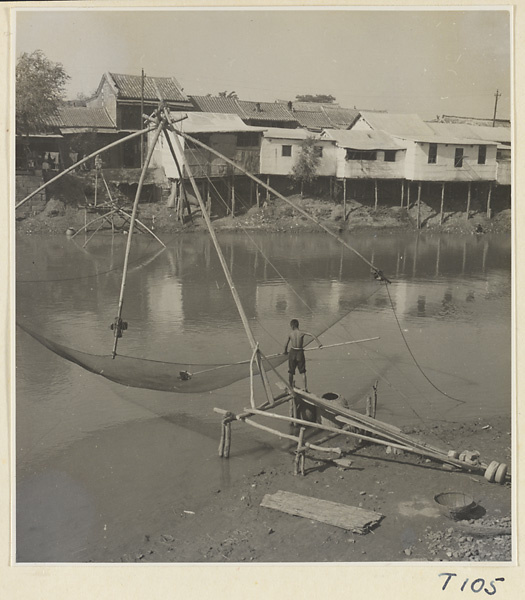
233,527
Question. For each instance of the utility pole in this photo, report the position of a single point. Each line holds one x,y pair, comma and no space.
141,117
497,95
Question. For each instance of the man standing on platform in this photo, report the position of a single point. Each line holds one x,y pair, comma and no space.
296,359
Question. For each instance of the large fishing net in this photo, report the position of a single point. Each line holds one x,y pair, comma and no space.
149,374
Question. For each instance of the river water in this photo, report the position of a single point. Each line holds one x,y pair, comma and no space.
99,464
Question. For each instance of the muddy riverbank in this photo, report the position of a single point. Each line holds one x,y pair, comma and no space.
276,216
233,527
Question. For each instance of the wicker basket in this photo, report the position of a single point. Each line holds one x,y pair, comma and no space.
455,505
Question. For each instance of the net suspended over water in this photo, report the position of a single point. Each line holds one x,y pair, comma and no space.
184,378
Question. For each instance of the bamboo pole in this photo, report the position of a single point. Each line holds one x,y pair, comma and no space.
86,225
468,201
117,323
375,194
284,199
258,192
229,279
81,162
408,195
402,192
139,222
96,186
183,199
267,186
333,430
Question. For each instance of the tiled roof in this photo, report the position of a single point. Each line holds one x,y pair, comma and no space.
312,120
81,116
129,87
266,111
217,104
363,140
342,118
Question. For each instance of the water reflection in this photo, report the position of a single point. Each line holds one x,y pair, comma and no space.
452,301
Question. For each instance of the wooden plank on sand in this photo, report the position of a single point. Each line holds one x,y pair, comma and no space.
347,517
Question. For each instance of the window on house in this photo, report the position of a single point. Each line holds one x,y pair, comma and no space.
482,155
458,158
286,151
390,156
432,154
318,151
248,139
360,154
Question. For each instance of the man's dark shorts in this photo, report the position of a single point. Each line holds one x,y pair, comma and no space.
296,360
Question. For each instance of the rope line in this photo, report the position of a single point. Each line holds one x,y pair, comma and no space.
415,359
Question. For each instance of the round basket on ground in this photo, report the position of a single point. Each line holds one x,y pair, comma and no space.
501,474
455,505
491,471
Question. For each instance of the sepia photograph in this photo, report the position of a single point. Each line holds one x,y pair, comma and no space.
263,305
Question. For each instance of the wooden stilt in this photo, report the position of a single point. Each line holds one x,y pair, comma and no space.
489,215
267,190
442,203
258,195
408,195
96,186
375,194
402,192
227,439
419,204
208,198
344,198
299,454
233,197
467,216
173,194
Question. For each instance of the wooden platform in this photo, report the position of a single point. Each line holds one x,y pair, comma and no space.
347,517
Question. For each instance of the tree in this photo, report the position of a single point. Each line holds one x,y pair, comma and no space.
326,98
305,169
40,89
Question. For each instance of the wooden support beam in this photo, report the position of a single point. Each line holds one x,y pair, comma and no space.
408,195
233,196
489,216
467,216
267,190
258,195
208,198
442,203
375,194
402,192
344,198
419,204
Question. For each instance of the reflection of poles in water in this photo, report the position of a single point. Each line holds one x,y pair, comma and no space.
484,258
414,262
464,257
438,255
